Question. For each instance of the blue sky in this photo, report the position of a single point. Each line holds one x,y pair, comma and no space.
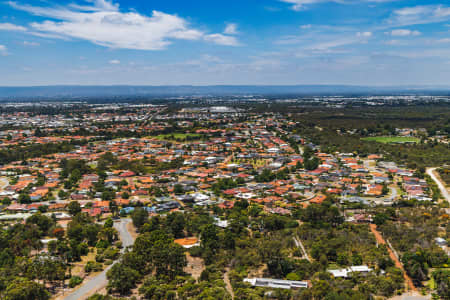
155,42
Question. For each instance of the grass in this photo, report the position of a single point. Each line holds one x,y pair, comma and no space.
431,283
333,266
177,136
391,139
78,267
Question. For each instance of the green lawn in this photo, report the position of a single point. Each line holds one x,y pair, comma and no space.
392,139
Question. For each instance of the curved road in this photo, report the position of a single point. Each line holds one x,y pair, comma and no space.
441,186
99,281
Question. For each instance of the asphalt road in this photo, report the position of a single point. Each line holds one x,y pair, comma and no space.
393,193
99,281
441,186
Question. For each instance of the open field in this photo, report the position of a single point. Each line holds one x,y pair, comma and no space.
391,139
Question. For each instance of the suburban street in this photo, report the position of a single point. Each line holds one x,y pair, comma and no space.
99,281
444,192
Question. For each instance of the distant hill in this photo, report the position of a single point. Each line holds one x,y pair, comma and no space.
72,91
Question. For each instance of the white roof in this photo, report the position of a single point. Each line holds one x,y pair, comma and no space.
221,223
360,269
339,272
15,216
276,283
345,272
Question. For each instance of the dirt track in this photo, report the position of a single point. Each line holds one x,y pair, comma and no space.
398,264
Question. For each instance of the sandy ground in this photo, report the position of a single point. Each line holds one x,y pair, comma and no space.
226,279
444,191
411,296
398,264
195,266
132,230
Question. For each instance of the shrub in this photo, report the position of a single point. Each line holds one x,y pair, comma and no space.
111,253
74,281
196,251
93,266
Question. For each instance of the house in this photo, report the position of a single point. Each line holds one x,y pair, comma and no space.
220,223
187,242
276,283
60,215
93,212
318,199
78,197
440,241
226,205
18,216
198,197
346,272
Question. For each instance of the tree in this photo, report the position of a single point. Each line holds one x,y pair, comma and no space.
380,219
49,269
139,217
210,239
24,289
42,221
176,222
74,208
229,240
75,231
62,194
114,207
6,201
122,278
385,189
108,223
312,163
43,208
178,189
24,198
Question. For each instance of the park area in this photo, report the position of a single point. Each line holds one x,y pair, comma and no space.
392,139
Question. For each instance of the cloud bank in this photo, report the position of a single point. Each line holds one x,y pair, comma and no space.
103,23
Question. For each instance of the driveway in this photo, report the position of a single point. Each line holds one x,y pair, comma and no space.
99,281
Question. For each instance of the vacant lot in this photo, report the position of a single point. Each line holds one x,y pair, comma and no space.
392,139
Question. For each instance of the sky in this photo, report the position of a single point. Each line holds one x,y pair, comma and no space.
235,42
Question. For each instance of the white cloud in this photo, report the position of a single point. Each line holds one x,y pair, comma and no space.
422,14
222,39
11,27
404,32
114,62
306,26
364,34
443,41
301,4
231,29
3,50
326,47
395,42
102,23
30,44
